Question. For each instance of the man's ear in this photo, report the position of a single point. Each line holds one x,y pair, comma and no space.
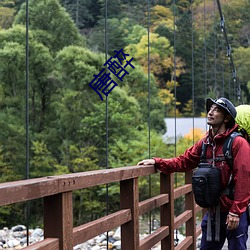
228,118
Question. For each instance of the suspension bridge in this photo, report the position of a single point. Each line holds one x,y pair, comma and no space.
56,192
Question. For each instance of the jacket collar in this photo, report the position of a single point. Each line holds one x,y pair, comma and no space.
221,136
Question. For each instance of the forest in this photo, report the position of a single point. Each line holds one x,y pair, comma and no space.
180,58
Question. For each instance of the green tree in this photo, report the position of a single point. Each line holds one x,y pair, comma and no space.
84,13
137,85
13,60
118,33
13,148
161,16
12,102
53,25
124,118
161,61
42,163
242,64
237,21
6,17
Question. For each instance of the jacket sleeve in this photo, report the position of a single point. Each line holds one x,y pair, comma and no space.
183,163
241,175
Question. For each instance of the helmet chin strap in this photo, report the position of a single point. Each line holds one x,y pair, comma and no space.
219,127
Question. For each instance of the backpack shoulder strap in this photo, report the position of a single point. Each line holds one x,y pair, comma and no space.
227,148
203,152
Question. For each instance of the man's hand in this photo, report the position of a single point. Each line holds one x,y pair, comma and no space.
232,221
146,162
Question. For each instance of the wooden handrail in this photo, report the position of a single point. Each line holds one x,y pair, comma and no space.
24,190
56,191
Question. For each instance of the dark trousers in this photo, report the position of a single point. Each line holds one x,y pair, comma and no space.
237,238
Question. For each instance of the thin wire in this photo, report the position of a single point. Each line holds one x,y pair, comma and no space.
107,134
106,58
27,208
215,51
27,90
175,94
193,96
174,75
222,68
229,84
205,50
149,121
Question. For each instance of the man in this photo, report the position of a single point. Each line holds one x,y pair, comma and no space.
221,115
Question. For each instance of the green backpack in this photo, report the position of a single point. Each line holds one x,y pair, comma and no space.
243,120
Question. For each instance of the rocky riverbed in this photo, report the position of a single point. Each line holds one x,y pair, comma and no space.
16,238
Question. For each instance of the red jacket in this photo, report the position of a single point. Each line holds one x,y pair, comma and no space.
241,167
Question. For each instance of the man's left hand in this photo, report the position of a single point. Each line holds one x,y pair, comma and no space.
232,222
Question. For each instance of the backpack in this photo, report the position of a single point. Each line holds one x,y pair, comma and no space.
206,185
243,120
206,179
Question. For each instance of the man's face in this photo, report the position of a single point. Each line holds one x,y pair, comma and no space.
215,116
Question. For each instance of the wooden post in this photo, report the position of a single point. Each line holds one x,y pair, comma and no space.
129,197
190,205
167,210
58,219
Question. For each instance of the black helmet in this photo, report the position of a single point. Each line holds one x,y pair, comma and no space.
223,103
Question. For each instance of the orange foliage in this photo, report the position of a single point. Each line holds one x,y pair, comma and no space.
195,133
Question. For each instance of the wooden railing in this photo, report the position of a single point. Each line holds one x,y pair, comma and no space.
59,232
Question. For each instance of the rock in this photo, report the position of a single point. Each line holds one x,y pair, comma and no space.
81,246
18,247
117,234
23,240
111,239
3,233
13,243
18,234
103,243
111,233
95,248
100,238
91,242
18,228
38,232
117,244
